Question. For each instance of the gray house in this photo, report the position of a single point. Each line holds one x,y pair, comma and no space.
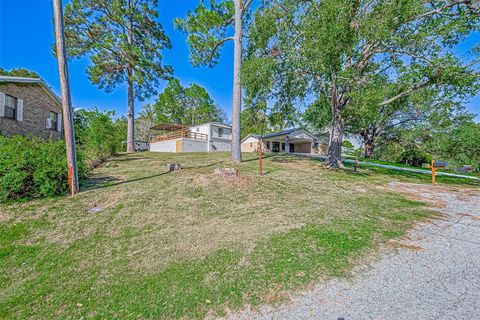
29,107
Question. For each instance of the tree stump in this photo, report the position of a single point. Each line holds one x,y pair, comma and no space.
174,167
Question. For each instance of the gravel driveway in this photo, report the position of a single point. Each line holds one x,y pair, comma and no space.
434,274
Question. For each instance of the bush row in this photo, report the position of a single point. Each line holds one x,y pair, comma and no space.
32,167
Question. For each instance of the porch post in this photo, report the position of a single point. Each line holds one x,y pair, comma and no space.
287,145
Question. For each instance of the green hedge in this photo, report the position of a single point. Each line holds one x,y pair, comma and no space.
31,167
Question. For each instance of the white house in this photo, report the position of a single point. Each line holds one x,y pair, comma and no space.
208,137
293,140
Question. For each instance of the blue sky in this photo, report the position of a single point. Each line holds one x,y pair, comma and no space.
26,33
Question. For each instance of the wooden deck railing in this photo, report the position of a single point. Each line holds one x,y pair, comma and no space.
179,134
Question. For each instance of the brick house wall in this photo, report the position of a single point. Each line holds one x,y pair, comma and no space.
37,105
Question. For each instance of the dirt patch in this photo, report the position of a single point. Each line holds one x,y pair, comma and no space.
403,245
3,217
432,195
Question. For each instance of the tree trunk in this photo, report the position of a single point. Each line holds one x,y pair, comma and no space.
334,156
237,87
130,114
369,147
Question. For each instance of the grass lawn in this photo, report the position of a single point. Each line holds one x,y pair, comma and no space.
190,244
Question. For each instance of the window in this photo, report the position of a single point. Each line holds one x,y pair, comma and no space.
10,107
268,145
53,120
251,144
220,132
283,146
198,129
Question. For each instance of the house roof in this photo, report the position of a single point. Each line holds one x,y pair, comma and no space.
277,134
281,133
37,81
168,127
175,127
220,124
251,135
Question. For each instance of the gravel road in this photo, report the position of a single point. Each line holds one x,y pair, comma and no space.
434,274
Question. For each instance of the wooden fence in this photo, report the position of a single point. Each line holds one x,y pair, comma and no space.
179,134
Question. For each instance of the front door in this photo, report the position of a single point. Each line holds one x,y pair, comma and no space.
292,147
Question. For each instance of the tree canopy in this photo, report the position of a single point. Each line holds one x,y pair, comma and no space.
363,57
124,41
190,105
19,72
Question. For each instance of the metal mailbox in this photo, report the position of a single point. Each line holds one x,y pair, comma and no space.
439,164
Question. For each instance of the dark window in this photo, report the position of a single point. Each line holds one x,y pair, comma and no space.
276,146
283,146
268,145
220,132
53,120
10,107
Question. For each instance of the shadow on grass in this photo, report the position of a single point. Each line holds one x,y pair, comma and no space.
107,182
125,159
264,156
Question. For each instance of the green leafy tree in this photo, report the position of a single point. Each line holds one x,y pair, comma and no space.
459,143
124,41
254,121
338,50
190,106
371,120
143,123
19,72
208,29
98,134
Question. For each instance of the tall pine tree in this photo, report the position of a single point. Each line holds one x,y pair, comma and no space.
208,30
124,41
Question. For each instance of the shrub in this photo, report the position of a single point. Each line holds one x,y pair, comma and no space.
389,152
347,144
415,157
31,167
99,134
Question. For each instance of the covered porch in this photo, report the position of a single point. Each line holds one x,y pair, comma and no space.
290,141
176,131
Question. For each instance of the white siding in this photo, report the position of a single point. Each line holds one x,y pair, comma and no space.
164,146
190,145
220,146
227,133
200,129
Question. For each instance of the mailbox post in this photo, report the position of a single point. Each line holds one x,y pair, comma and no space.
433,172
435,166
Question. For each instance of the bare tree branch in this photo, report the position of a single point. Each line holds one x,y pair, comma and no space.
405,93
217,45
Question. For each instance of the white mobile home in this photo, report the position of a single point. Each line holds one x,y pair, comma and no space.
208,137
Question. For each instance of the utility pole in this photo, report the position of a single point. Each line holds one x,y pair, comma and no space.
66,98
